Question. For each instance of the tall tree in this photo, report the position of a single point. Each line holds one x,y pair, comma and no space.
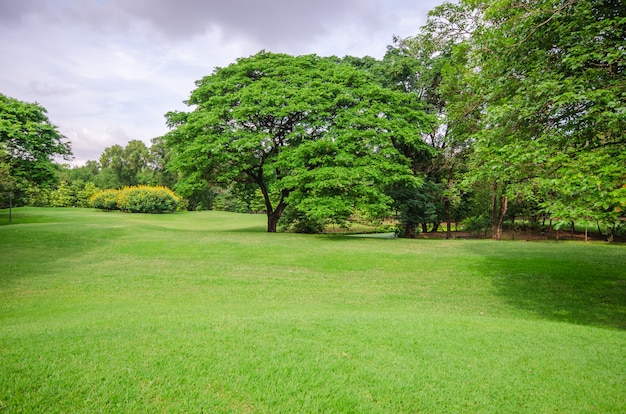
310,132
434,64
28,143
553,74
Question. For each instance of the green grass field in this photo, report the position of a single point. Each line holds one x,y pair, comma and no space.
206,313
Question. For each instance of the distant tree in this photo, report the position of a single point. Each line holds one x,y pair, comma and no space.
309,132
159,156
86,173
124,166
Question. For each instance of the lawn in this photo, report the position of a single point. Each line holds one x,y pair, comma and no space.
205,312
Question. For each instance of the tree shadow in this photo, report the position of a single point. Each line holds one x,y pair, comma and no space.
566,282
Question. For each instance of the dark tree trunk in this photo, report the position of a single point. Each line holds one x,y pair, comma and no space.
273,214
272,222
550,229
409,231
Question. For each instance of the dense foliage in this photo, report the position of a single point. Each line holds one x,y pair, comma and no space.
310,133
137,199
494,111
28,144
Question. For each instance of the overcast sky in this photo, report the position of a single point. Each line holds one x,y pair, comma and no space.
108,70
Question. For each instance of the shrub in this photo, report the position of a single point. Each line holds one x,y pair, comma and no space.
83,198
105,200
146,199
62,196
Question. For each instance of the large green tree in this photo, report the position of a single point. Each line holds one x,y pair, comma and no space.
311,133
554,76
543,83
28,144
434,65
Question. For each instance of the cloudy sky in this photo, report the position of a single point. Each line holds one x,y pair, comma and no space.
108,70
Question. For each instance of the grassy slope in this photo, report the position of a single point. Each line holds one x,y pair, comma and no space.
204,312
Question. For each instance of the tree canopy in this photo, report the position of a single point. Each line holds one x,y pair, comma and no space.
28,143
309,132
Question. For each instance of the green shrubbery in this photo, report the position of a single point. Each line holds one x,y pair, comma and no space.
138,199
105,200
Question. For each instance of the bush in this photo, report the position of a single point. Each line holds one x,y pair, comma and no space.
105,200
298,222
62,196
146,199
139,199
83,198
478,225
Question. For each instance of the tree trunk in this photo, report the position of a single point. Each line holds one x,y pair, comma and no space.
499,206
273,215
550,229
446,205
504,204
494,211
409,231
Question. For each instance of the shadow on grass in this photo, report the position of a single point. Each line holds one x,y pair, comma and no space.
567,282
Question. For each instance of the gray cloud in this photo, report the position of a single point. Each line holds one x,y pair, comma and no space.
263,22
46,89
107,70
274,21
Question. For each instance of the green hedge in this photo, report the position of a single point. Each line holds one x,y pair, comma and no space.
138,199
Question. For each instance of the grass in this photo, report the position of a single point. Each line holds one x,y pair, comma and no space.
205,312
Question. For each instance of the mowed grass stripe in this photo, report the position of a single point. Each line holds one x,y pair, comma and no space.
205,312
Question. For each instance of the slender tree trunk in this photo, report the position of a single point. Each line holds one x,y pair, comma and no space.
504,204
497,213
550,229
446,205
494,211
273,214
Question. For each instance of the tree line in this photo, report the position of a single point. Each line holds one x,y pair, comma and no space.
494,110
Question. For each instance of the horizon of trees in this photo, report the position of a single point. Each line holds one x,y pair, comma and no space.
492,111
